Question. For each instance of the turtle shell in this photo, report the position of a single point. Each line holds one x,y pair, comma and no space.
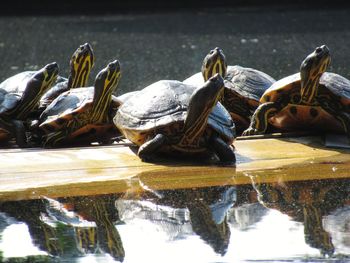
289,84
60,86
119,100
337,85
75,105
243,90
162,106
332,87
11,91
65,107
249,83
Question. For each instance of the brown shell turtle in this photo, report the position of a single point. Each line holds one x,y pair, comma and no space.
312,99
81,115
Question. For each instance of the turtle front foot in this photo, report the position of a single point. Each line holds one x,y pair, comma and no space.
54,139
251,131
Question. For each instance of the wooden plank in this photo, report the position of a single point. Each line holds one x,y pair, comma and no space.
31,173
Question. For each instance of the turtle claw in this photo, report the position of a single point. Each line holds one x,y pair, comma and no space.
251,131
53,139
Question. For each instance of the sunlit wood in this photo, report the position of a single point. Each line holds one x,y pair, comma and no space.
31,173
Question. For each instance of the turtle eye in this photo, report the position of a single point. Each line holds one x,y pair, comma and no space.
318,50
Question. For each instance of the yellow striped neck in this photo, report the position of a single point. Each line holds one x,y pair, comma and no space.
34,90
80,72
194,132
311,70
201,104
309,90
102,98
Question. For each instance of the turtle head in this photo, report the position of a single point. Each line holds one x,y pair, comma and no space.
107,79
81,64
37,85
311,69
201,103
214,62
43,79
105,84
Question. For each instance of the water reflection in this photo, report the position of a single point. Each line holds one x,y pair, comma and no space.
230,221
184,212
307,202
72,227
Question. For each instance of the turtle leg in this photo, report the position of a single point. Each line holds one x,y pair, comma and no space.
259,122
334,108
344,118
54,139
341,116
150,147
21,138
224,151
16,128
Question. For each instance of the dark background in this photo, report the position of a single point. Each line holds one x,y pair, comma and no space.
154,40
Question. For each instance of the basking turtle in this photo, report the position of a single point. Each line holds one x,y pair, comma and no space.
243,86
19,95
117,101
171,116
81,64
81,115
311,99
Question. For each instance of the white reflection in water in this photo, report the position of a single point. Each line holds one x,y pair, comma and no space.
16,242
95,259
338,225
275,236
144,242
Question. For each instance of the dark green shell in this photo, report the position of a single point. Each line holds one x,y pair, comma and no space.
336,84
248,82
66,103
60,86
12,90
164,103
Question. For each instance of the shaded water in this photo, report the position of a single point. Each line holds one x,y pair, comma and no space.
299,220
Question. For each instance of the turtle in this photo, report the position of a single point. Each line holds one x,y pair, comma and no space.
117,101
312,99
173,117
19,95
81,115
81,63
244,86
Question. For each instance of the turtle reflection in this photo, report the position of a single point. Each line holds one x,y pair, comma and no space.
307,202
44,236
104,235
186,211
72,228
